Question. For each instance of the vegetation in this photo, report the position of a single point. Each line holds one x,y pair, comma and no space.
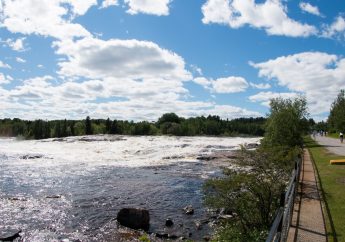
336,119
252,195
332,182
168,124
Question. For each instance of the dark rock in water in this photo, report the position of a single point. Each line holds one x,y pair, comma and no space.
134,218
206,157
166,236
252,146
10,235
54,196
189,210
29,157
17,199
169,222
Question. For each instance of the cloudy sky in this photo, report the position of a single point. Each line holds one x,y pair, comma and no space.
138,59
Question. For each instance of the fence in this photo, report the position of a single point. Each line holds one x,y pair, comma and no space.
281,224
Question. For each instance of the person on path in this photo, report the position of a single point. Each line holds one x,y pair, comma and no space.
341,136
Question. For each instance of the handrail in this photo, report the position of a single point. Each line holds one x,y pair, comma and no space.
281,224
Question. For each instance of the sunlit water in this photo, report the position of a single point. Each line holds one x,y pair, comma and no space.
71,189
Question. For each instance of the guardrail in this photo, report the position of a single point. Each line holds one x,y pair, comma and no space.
281,224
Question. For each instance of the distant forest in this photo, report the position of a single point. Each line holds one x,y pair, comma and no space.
168,124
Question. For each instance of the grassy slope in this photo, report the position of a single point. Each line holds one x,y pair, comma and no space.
332,181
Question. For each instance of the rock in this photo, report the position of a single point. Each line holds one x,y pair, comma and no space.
252,146
10,236
206,157
189,210
134,218
30,156
198,225
169,222
207,238
54,196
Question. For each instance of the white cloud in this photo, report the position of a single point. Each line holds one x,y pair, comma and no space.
45,17
16,45
108,3
271,15
260,85
5,79
40,66
153,7
4,65
231,84
308,8
20,60
196,69
319,76
336,29
133,59
265,97
45,97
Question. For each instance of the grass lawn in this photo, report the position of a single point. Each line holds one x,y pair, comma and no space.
332,182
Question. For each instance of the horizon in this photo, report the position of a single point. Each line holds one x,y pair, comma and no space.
136,60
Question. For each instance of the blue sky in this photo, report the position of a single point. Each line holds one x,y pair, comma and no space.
138,59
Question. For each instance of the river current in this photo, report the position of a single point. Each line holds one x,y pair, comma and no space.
71,189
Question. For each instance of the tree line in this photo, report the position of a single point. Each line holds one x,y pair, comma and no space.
167,124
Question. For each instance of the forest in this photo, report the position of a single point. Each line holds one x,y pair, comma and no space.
167,124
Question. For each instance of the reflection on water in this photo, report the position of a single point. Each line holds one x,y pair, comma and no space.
72,189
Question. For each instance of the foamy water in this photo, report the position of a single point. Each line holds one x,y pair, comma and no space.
93,177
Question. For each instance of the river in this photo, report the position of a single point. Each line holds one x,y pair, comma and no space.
71,189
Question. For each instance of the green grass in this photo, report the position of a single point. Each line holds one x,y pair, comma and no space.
334,135
332,182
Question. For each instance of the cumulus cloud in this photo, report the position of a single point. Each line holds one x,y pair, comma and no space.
319,76
95,58
45,17
336,29
308,8
231,84
271,15
153,7
108,3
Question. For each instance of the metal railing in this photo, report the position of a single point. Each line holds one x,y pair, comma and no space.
281,224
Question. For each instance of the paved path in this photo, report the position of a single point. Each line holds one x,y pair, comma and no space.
333,145
307,222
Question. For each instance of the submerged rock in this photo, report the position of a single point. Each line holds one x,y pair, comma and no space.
134,218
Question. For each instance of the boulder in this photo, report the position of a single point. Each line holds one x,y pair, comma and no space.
189,210
10,235
134,218
169,222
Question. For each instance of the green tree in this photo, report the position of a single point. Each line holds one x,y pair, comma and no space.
88,126
336,119
286,123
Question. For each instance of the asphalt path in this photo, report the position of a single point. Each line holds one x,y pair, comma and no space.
333,145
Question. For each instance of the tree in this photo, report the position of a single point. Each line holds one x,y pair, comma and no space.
286,123
108,126
88,126
336,119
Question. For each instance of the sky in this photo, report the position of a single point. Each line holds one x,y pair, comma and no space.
138,59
